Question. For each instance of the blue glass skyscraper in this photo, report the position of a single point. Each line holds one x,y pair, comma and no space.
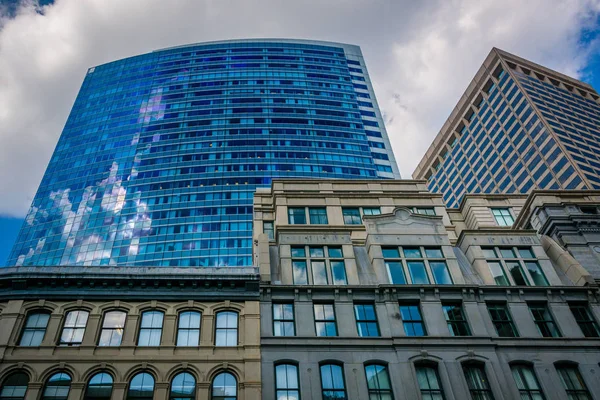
161,154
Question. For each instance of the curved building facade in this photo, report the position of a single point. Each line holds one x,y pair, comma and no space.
162,152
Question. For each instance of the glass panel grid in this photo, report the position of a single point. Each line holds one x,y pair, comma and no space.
418,263
366,320
412,319
544,321
325,323
283,319
502,320
520,262
456,320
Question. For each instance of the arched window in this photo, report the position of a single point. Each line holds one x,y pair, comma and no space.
57,387
332,382
112,328
286,382
477,381
224,387
183,387
35,329
151,328
573,382
141,387
378,382
226,331
429,382
99,387
527,382
74,328
188,330
15,386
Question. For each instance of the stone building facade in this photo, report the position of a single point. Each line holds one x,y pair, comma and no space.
376,290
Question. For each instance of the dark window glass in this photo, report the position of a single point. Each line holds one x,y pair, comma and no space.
188,330
477,381
325,320
14,387
378,382
318,215
35,329
112,328
226,331
74,328
224,387
151,328
296,216
366,320
99,387
502,320
412,319
539,279
283,320
543,320
429,383
573,382
141,387
455,318
183,387
332,382
57,387
584,319
286,382
527,383
498,273
351,216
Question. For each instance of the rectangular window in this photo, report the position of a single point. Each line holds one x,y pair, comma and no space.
585,320
520,262
283,320
318,215
35,329
296,216
112,328
74,328
527,382
325,320
371,211
269,230
415,262
502,320
455,318
412,319
351,216
326,265
503,216
188,330
477,382
429,383
226,329
151,328
338,266
424,210
543,320
366,320
573,382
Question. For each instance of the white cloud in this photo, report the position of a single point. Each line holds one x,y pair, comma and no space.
421,56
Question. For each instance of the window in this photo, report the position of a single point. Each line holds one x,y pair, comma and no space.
35,329
584,319
14,387
366,320
455,317
326,265
151,328
412,319
283,320
371,211
183,387
224,387
429,383
416,260
296,216
527,382
74,328
573,382
286,382
378,382
520,262
227,329
351,216
188,330
112,328
57,387
502,320
477,381
99,387
543,320
268,229
317,215
325,320
332,382
424,210
503,216
141,387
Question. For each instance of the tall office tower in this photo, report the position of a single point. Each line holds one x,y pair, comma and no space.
519,126
161,154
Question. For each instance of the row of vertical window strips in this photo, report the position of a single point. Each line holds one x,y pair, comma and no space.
113,326
414,325
326,265
520,262
100,387
421,264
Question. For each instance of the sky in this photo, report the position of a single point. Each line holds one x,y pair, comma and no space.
421,55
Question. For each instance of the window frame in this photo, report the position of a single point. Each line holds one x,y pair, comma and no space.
589,322
271,231
212,387
283,321
528,391
427,211
292,216
151,329
103,328
368,322
424,259
128,395
429,391
15,374
379,392
46,386
179,328
87,396
496,306
584,390
501,215
344,390
478,392
287,389
461,324
547,323
517,258
182,395
320,213
421,322
25,329
73,328
325,321
308,260
226,329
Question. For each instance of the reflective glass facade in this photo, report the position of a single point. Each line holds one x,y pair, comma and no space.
526,127
161,154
